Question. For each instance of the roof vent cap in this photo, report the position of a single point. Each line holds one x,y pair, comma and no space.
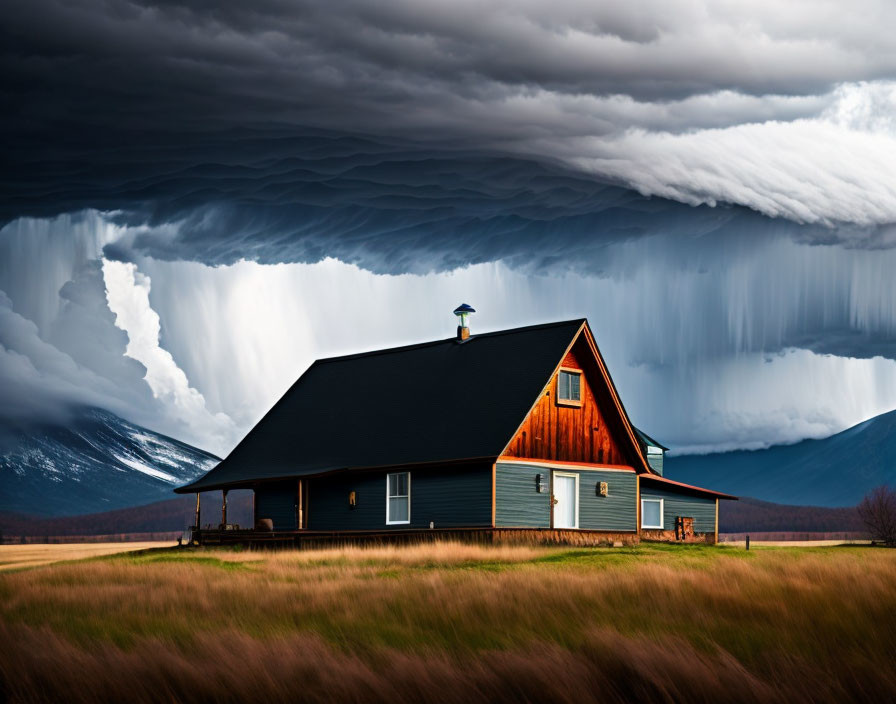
462,311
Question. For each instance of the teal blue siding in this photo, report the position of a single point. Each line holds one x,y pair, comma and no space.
656,462
518,504
277,501
457,497
618,510
701,509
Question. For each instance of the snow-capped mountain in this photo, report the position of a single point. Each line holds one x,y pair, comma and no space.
96,461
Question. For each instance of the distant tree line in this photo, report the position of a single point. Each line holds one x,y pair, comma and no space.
171,515
749,515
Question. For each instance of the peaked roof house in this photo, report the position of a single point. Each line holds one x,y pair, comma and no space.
511,435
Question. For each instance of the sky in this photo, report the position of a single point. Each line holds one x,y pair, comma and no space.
198,199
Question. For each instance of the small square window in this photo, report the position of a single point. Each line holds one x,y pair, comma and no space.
652,513
569,386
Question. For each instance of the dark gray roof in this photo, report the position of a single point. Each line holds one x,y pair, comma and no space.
647,440
432,402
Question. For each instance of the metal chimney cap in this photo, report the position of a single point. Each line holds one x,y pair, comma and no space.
464,308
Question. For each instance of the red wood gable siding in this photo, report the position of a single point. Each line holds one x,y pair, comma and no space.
570,361
567,433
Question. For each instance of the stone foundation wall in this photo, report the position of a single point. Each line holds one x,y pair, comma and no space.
544,536
503,536
668,536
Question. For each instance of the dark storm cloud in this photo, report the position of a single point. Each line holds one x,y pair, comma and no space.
409,137
273,59
386,208
685,153
386,205
146,107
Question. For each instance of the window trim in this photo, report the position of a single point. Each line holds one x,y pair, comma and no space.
390,522
576,477
654,450
568,401
662,512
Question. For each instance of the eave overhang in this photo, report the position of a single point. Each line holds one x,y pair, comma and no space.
199,486
689,487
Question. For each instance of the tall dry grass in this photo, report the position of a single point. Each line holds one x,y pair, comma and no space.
455,623
34,555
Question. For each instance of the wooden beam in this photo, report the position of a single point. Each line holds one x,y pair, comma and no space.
717,521
299,509
562,464
224,507
198,524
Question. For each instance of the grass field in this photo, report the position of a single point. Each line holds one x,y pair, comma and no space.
35,555
455,623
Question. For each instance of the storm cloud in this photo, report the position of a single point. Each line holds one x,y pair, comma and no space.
63,346
159,108
198,198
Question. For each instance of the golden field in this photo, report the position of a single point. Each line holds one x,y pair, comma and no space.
454,623
37,554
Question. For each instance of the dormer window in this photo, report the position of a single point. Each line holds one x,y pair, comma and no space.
569,387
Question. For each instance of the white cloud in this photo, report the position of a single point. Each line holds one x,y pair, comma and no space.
39,381
698,335
698,343
38,256
128,296
838,167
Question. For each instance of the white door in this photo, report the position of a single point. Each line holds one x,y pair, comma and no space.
566,503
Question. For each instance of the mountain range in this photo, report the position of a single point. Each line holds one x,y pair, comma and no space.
94,461
100,474
835,471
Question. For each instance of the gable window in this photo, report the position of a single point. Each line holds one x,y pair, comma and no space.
651,450
398,498
652,513
569,387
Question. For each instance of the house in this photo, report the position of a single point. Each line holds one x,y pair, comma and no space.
511,435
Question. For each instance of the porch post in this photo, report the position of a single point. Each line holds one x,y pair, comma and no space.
224,507
716,537
197,511
299,513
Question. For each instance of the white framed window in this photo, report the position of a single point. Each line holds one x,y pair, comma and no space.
569,387
652,513
398,498
651,450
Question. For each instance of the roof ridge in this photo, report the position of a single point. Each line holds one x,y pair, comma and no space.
430,343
